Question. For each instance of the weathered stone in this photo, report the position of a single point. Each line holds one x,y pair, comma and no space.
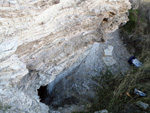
109,50
72,85
109,61
41,39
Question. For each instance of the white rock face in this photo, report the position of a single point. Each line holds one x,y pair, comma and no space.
41,38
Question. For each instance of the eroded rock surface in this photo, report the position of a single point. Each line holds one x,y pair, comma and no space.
76,85
40,39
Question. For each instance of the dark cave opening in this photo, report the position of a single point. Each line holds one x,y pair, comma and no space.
53,99
43,93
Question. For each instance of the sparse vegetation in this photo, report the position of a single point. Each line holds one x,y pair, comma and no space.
116,91
105,93
133,18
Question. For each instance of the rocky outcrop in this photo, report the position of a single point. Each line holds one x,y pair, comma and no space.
76,85
42,38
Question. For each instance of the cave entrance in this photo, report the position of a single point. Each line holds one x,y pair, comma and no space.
43,93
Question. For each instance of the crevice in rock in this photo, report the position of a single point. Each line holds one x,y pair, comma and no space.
58,96
105,19
42,93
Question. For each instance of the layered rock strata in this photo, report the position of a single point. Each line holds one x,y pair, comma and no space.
42,38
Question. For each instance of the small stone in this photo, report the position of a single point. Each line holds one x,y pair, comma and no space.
142,105
109,61
108,51
101,111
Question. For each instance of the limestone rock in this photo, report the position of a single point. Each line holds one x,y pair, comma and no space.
109,61
108,58
40,39
75,84
108,51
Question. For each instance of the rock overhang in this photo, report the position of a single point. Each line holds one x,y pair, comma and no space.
51,38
